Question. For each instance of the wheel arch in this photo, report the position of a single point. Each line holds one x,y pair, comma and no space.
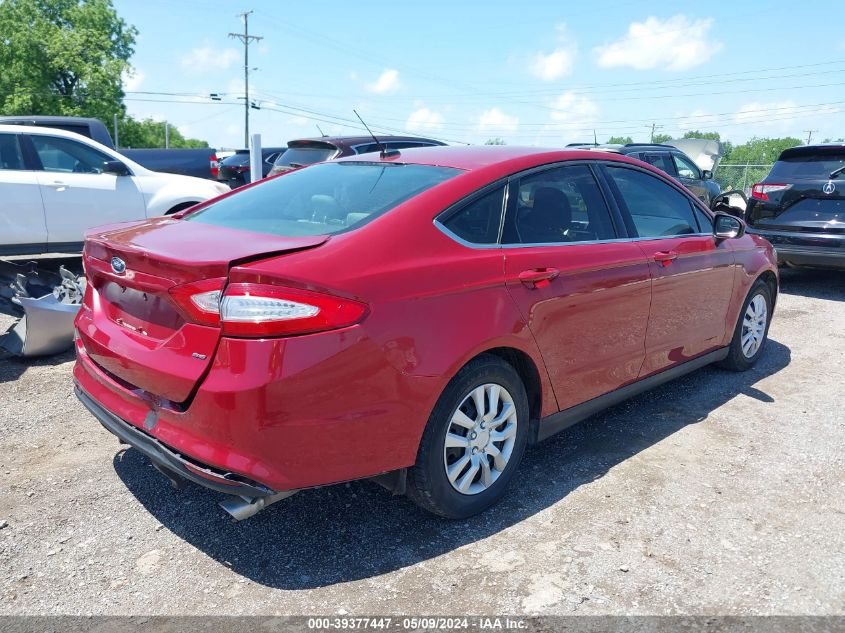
771,280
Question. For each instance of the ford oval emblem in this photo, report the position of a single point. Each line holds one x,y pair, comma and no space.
118,265
829,187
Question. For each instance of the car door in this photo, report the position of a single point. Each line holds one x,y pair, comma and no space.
77,194
584,292
690,176
22,224
693,273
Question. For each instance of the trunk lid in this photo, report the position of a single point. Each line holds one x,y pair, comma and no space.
811,206
132,326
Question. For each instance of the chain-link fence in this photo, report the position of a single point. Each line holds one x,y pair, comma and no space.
740,177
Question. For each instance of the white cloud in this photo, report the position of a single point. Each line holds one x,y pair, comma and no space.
558,63
572,109
496,120
700,120
424,119
132,80
677,43
386,83
208,58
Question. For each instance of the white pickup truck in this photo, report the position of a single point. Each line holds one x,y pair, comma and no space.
54,185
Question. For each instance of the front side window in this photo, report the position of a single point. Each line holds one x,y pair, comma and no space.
11,157
656,208
323,199
685,168
558,205
478,221
68,156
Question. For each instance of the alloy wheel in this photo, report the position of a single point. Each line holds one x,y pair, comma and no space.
754,326
480,439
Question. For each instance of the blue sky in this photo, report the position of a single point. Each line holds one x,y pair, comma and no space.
535,73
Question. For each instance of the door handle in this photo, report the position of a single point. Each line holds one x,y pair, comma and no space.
665,257
58,185
538,277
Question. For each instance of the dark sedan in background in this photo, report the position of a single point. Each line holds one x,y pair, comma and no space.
307,151
800,207
234,169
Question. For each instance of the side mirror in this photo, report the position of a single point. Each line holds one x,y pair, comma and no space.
115,167
707,175
727,227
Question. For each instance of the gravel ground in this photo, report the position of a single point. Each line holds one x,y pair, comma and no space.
718,493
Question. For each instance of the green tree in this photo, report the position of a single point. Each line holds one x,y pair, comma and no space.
149,133
712,136
495,141
760,151
63,57
661,138
619,140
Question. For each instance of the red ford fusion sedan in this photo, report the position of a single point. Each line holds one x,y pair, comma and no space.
416,317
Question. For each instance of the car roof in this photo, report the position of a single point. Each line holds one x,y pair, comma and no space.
14,128
476,157
361,139
812,150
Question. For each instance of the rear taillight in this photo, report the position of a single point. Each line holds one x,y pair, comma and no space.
257,310
199,302
214,165
261,310
761,191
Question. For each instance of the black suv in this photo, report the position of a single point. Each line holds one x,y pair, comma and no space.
307,151
800,207
668,159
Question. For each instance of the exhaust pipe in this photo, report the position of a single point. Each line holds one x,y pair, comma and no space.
241,508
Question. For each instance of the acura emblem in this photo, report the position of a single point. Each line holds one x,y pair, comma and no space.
118,265
829,187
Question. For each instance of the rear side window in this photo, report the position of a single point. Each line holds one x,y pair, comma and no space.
11,157
662,161
810,167
558,205
324,199
478,221
656,208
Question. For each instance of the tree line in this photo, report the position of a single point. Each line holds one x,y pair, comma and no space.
69,58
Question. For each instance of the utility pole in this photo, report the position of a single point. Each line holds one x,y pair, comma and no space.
246,38
654,128
810,135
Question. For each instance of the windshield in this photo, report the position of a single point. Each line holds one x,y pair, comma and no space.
301,156
324,199
812,167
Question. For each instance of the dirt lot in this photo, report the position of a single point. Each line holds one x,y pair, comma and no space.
719,493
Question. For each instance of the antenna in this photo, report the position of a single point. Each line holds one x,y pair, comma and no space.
384,152
320,130
595,138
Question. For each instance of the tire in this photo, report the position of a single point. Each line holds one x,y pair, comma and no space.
737,359
479,440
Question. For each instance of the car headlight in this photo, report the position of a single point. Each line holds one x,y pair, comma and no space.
221,187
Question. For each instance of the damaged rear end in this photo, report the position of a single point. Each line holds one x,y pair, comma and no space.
148,332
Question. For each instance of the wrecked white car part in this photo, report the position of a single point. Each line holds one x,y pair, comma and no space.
46,327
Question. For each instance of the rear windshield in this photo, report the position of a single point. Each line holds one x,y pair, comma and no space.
236,159
301,156
324,199
810,167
